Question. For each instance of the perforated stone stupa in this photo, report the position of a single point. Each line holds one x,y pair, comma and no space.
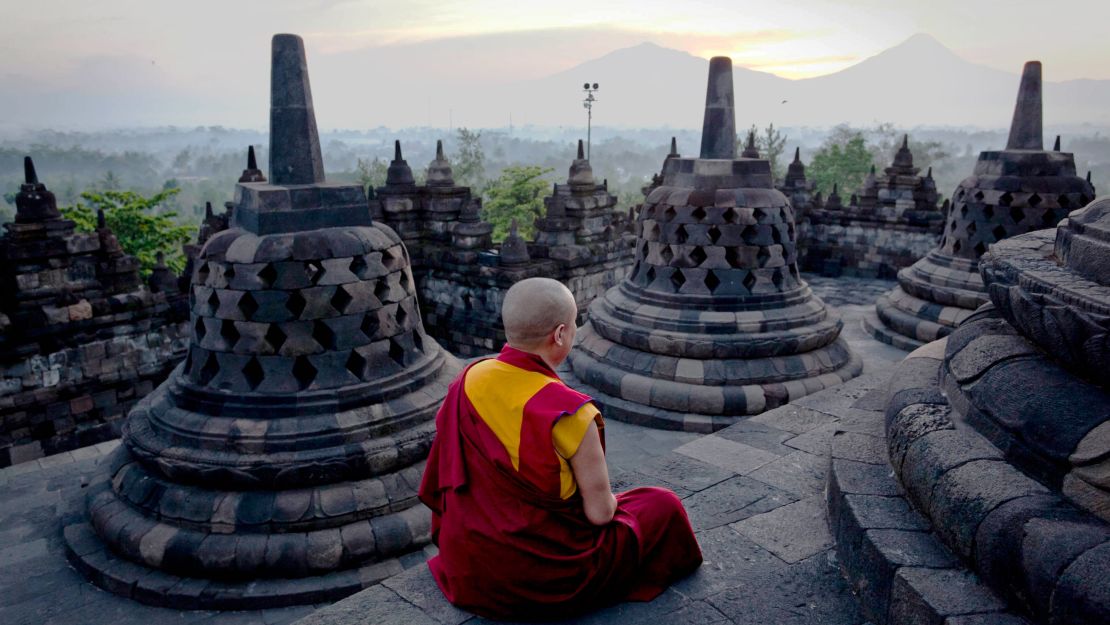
279,464
892,221
81,339
714,322
1013,191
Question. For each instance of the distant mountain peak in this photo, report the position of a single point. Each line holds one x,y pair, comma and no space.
920,46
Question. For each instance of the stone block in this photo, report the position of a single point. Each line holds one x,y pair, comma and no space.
963,496
929,596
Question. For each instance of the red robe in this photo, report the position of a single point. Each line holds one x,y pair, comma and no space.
510,547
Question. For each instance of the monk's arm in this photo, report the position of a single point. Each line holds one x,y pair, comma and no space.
592,476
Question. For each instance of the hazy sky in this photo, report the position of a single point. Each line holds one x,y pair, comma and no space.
209,49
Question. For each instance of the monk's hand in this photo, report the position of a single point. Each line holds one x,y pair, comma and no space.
592,477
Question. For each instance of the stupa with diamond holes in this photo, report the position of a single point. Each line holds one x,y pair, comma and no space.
81,340
714,322
280,463
889,224
1013,191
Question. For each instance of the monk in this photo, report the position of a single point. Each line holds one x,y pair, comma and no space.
522,511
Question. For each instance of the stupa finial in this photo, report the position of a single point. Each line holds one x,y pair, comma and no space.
718,130
29,174
439,149
674,147
1025,130
1056,146
750,151
581,151
252,162
294,141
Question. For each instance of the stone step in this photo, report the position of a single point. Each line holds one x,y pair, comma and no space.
873,326
903,574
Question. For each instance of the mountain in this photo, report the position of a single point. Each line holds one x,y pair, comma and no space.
921,82
463,82
918,82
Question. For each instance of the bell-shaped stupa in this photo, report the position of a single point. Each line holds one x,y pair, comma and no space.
1013,191
714,322
279,464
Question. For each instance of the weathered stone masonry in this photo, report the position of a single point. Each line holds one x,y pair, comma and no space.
279,463
462,277
81,338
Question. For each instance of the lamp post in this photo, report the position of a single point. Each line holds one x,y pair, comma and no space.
588,103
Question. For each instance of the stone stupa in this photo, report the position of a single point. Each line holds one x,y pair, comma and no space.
1013,191
714,322
279,464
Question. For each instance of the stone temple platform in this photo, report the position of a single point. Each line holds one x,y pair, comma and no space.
753,491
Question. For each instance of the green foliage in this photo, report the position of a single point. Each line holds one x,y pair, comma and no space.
843,159
142,229
516,194
771,145
371,174
110,182
469,164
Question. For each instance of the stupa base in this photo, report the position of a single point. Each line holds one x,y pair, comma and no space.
710,408
97,562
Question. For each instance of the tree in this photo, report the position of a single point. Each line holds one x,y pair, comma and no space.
469,165
771,145
842,160
142,230
110,182
516,194
889,139
371,174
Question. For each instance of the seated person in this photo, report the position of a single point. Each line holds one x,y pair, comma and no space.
525,521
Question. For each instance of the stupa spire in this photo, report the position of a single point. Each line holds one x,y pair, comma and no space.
1056,146
294,141
718,130
29,174
34,202
674,147
1025,129
251,173
439,170
581,173
750,151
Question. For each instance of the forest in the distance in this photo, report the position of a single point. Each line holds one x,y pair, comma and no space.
511,168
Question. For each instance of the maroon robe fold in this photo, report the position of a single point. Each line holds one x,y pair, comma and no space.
509,547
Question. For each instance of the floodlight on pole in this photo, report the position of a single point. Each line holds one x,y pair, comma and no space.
588,104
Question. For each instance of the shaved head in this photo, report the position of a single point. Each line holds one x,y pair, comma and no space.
533,308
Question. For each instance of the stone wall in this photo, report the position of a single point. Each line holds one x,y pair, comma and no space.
862,249
81,338
78,396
